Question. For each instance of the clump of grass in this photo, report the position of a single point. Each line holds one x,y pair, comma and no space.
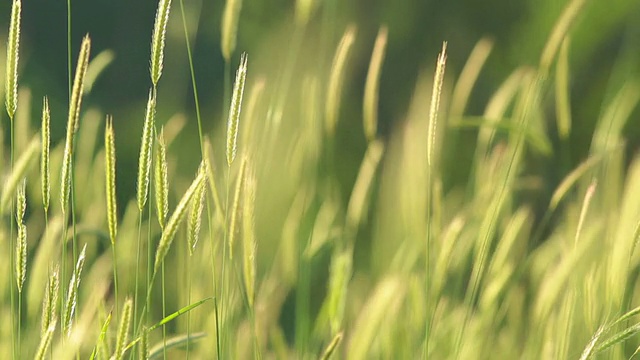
234,110
13,52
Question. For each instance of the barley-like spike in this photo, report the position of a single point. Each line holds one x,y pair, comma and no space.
110,163
19,171
371,88
174,221
234,110
73,121
249,236
13,49
195,215
45,341
158,40
144,160
336,78
123,330
50,301
229,29
21,203
44,157
21,256
161,180
235,210
72,294
143,347
435,103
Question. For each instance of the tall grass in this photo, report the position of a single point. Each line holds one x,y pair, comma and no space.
403,255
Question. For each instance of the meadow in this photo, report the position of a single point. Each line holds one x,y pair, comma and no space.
303,225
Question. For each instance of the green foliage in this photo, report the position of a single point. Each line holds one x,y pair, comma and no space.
449,233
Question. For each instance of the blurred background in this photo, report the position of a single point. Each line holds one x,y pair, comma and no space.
604,51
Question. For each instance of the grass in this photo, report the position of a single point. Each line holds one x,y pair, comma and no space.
412,258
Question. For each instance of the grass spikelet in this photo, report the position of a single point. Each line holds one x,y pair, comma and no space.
13,49
229,29
18,173
72,121
158,40
161,180
50,301
336,78
44,154
45,342
143,347
195,214
144,160
110,172
21,245
435,102
234,110
72,294
371,88
331,348
235,210
174,221
123,330
249,237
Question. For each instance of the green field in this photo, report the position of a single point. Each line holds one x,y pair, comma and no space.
320,179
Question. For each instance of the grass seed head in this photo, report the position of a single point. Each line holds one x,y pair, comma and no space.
123,330
44,155
161,180
229,30
110,184
234,111
13,49
144,160
158,40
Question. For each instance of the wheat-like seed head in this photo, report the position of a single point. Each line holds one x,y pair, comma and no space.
144,160
371,88
158,40
45,341
229,29
72,293
234,111
73,121
21,256
336,78
50,301
123,330
174,221
19,171
143,348
161,180
13,49
21,203
44,155
110,172
235,210
331,348
195,215
435,102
